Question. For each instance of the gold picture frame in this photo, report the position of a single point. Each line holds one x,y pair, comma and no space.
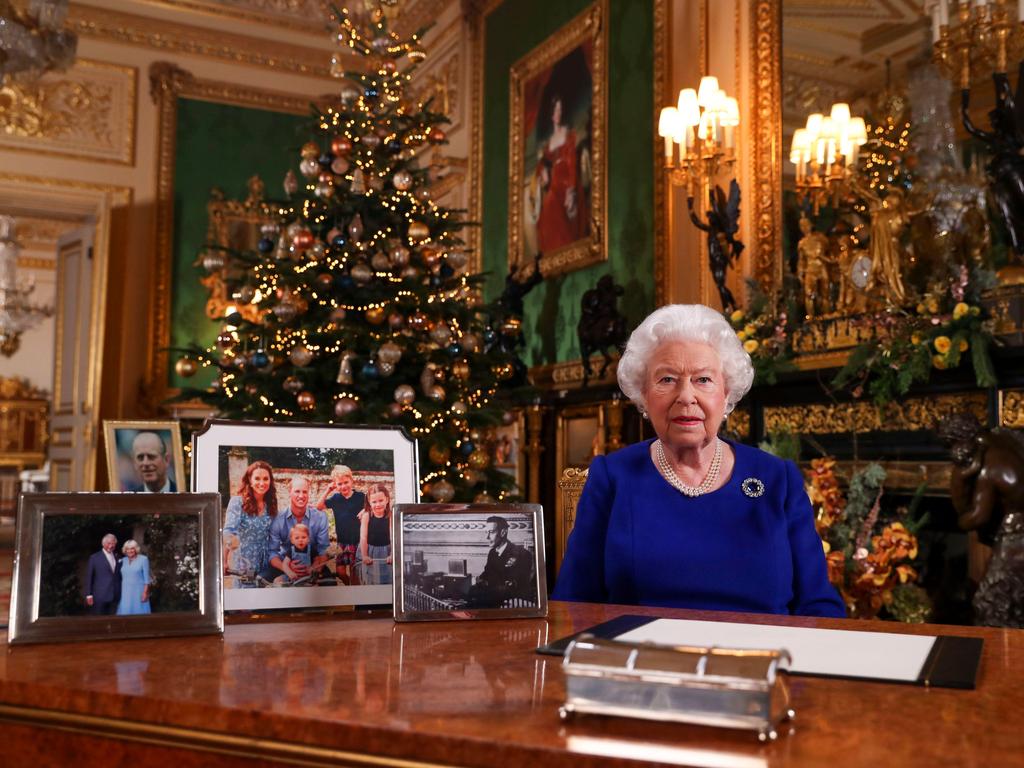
123,473
557,190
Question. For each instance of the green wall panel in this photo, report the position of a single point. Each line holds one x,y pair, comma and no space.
553,308
218,145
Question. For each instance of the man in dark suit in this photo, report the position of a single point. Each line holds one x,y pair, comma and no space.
103,578
149,454
508,572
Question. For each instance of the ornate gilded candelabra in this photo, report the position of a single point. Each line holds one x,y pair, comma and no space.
825,151
985,34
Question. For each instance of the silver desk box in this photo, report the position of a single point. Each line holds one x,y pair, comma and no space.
708,686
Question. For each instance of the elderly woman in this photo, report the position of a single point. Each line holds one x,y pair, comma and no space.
135,581
688,519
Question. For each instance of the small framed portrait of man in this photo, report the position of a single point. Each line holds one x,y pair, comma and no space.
469,561
145,456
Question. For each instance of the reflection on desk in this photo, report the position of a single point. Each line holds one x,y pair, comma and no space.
367,691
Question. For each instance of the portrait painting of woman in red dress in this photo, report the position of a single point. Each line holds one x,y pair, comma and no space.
557,172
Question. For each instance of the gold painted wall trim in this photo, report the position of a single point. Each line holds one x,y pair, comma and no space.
915,413
162,35
87,113
767,43
569,375
264,750
168,83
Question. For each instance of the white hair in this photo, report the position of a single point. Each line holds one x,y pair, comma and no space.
130,544
685,322
108,537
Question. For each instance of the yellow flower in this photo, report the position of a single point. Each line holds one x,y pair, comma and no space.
975,311
826,546
939,362
933,305
736,316
963,345
750,328
921,309
742,335
915,338
942,344
751,346
960,310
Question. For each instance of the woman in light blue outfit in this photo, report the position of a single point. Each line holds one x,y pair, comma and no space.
134,581
247,525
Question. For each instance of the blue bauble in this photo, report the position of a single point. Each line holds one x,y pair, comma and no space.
467,448
370,92
454,349
265,245
260,360
371,371
338,241
435,281
447,271
490,336
325,160
394,146
344,282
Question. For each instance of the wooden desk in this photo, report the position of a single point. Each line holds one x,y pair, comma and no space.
366,691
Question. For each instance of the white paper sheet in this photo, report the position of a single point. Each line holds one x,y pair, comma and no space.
840,652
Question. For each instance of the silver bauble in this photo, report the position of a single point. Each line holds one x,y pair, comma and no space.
300,355
361,273
402,180
436,393
405,394
309,168
345,406
339,165
442,491
389,352
213,260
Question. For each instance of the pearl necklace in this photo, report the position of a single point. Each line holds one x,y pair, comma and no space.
670,474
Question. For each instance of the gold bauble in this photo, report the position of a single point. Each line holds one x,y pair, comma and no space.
439,453
376,315
460,369
306,401
186,367
418,231
310,150
483,498
479,459
442,491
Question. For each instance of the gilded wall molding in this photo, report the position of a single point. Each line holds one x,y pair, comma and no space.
302,15
569,375
767,43
913,414
1011,408
162,35
87,113
168,83
662,199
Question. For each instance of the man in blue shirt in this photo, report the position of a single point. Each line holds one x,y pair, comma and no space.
298,511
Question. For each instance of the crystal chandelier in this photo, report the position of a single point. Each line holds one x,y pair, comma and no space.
34,41
17,313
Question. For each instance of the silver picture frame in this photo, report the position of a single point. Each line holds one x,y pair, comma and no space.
468,561
58,532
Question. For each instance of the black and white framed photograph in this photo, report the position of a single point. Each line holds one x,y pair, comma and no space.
469,561
306,510
115,565
145,456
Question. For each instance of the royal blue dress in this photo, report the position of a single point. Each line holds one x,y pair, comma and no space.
639,541
134,577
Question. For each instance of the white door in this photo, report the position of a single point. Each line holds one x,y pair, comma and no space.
73,428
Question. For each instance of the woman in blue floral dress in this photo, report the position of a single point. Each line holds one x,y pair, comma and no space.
249,515
134,581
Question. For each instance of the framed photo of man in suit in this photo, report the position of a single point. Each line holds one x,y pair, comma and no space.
145,456
118,565
469,561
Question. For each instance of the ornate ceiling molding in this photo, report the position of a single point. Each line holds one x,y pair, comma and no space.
161,35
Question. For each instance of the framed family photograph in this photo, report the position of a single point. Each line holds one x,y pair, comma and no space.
557,195
469,561
145,456
305,510
115,565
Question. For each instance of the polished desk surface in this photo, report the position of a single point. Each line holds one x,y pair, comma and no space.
367,691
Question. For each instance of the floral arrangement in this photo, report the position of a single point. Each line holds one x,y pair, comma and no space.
948,325
765,335
869,561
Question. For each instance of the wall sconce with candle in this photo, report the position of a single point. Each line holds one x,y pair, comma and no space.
825,152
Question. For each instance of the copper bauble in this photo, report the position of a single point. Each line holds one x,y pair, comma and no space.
361,273
402,180
436,136
306,400
399,256
439,453
393,411
310,150
340,145
186,367
405,394
460,369
345,406
418,321
325,281
442,491
479,459
303,239
292,385
396,320
380,261
340,166
418,231
370,140
430,254
436,393
301,355
483,498
375,315
459,408
389,352
440,334
225,340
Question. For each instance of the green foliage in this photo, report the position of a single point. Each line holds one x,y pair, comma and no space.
782,443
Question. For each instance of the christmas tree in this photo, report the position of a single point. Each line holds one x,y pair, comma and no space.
356,307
